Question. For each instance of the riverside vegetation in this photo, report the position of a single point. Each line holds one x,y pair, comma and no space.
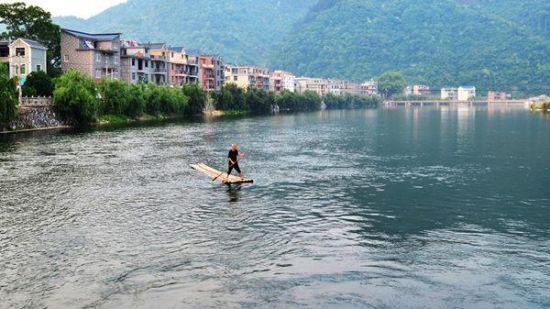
79,100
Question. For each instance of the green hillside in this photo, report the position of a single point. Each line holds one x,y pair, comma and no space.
243,31
437,42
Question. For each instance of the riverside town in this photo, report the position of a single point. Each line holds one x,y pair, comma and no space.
274,154
115,63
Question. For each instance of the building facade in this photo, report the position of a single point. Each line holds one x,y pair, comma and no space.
159,62
280,81
96,55
497,96
450,94
247,77
211,72
466,93
418,90
318,85
23,56
135,63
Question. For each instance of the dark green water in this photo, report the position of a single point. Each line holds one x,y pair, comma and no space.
419,207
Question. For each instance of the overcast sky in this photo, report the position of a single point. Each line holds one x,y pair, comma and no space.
80,8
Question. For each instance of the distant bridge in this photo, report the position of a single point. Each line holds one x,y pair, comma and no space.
447,102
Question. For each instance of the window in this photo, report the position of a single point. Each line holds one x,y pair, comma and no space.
4,51
23,69
235,78
66,58
20,51
98,57
146,63
38,68
133,76
133,61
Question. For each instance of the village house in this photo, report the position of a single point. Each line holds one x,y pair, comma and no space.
318,85
177,66
497,96
448,93
96,55
23,56
418,90
159,62
368,88
281,80
466,93
211,72
135,63
247,77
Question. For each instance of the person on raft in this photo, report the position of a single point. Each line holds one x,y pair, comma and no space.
233,161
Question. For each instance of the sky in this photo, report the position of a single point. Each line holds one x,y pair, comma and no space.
80,8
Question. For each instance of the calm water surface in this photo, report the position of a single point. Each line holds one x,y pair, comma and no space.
420,207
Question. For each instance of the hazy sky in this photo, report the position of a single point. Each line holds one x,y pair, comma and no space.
80,8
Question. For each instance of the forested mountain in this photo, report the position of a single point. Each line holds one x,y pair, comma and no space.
497,44
243,31
439,42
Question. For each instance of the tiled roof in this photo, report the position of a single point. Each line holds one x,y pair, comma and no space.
153,45
34,43
93,36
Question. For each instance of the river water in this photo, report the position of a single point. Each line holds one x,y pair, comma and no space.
405,207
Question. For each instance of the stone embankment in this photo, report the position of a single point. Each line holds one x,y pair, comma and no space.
36,113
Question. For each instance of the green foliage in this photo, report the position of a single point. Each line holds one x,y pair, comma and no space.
115,95
390,84
348,101
231,97
136,101
439,43
254,26
9,98
38,83
75,98
32,22
197,98
296,102
165,101
259,102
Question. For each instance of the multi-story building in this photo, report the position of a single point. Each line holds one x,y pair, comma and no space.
418,90
497,96
281,80
159,62
449,93
211,72
318,85
177,66
247,77
96,55
22,57
193,65
369,88
466,93
135,63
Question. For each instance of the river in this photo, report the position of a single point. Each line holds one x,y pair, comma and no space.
404,207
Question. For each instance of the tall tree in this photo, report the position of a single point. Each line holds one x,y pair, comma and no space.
391,83
32,22
9,98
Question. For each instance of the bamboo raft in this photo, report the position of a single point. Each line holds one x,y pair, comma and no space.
219,175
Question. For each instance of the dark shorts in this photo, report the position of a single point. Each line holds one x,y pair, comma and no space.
230,168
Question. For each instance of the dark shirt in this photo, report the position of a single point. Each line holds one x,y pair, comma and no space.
233,154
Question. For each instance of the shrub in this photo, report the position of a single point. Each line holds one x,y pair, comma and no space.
115,96
197,98
259,102
231,97
75,98
38,84
9,98
136,101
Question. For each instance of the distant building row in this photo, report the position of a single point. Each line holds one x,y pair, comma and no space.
108,56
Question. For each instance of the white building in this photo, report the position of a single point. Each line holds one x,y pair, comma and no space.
466,93
449,94
281,80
